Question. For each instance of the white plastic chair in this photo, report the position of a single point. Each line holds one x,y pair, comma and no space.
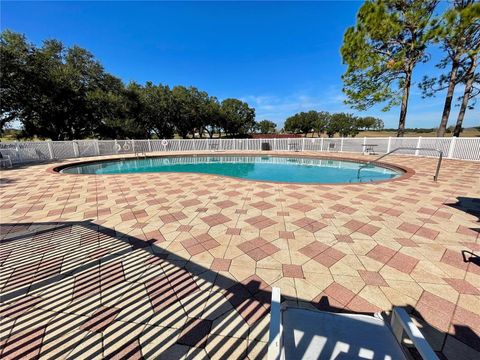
301,333
5,160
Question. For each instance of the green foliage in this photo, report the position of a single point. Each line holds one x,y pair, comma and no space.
187,107
321,122
237,118
64,93
458,34
331,124
382,49
157,110
302,123
342,123
369,122
266,127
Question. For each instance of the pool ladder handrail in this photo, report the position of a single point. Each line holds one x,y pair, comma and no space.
439,163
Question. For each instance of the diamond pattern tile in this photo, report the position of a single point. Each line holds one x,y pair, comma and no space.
181,265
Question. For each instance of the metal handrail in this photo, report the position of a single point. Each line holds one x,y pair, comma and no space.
435,177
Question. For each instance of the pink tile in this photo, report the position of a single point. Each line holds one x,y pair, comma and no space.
286,235
354,225
406,242
462,286
260,221
372,278
403,263
454,258
359,304
292,271
339,293
100,319
220,264
225,204
262,205
24,344
381,253
427,233
407,227
313,249
214,220
344,238
233,231
467,231
368,229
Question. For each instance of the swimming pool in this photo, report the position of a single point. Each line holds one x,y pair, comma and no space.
290,169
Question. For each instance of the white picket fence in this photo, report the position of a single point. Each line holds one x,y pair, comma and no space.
39,151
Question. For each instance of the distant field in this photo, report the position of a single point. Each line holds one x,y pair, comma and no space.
471,132
466,133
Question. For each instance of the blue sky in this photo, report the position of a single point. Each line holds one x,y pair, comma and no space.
280,57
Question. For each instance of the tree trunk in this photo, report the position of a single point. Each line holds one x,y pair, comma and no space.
466,95
404,106
210,133
448,100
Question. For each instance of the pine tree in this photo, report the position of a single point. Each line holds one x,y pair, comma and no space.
381,51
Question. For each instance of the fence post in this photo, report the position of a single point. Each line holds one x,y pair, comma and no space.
19,153
341,145
321,144
452,147
97,148
149,145
75,148
303,144
133,145
419,143
389,144
50,150
274,144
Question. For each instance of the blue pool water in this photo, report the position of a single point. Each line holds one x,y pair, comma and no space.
265,168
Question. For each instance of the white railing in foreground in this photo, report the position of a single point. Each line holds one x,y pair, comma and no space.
38,151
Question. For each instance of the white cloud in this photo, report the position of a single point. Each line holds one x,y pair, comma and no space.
421,113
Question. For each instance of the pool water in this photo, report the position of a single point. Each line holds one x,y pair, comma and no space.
264,168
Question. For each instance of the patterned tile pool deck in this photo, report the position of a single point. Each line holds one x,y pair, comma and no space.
181,265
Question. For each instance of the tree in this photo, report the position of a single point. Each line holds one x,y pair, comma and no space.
342,123
213,116
15,70
185,110
379,124
55,92
64,82
64,93
158,111
381,51
470,79
321,122
369,122
237,118
120,111
266,127
302,123
209,113
459,35
293,124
